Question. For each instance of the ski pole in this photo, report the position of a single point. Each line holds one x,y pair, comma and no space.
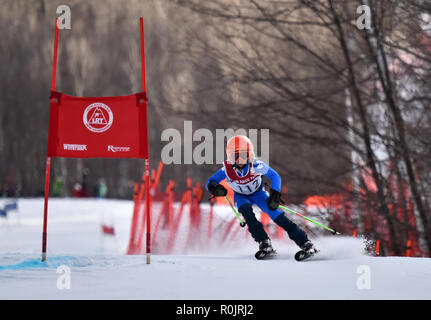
241,223
306,218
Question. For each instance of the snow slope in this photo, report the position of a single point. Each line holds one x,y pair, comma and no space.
100,270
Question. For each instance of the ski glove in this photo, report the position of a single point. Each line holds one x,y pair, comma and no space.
274,199
217,190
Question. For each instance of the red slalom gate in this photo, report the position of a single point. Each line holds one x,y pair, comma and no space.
157,175
96,127
228,229
137,218
194,227
145,219
131,247
140,221
210,220
185,199
355,232
234,233
159,218
409,248
377,248
171,214
165,212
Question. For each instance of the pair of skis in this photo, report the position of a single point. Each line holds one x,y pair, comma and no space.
299,256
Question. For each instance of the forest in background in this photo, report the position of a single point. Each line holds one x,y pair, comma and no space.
347,108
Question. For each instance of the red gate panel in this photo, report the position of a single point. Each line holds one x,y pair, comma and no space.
100,127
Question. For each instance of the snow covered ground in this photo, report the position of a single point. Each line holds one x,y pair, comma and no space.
99,269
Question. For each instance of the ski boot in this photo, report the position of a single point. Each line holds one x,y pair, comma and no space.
307,250
266,250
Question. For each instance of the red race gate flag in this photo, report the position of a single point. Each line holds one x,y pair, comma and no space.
98,127
101,127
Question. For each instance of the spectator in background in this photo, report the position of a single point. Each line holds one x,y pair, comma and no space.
57,188
77,190
102,189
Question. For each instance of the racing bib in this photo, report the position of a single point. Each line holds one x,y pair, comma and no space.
247,184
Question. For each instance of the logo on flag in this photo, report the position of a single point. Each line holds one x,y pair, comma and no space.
98,117
100,135
75,147
118,149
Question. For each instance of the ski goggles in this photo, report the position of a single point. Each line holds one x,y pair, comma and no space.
240,156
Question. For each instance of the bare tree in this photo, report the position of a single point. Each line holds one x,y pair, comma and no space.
295,60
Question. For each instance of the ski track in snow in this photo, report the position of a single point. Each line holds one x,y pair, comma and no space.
100,269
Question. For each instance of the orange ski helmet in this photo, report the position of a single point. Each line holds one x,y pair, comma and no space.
239,150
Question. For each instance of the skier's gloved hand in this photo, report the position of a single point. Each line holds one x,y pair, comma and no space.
274,199
217,190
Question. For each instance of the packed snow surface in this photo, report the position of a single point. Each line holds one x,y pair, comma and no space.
98,267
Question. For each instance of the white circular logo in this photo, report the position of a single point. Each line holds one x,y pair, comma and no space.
98,117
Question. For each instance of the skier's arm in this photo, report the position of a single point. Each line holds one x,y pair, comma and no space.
275,179
264,169
274,194
213,184
274,198
217,177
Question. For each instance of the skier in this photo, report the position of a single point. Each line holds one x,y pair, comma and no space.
243,172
